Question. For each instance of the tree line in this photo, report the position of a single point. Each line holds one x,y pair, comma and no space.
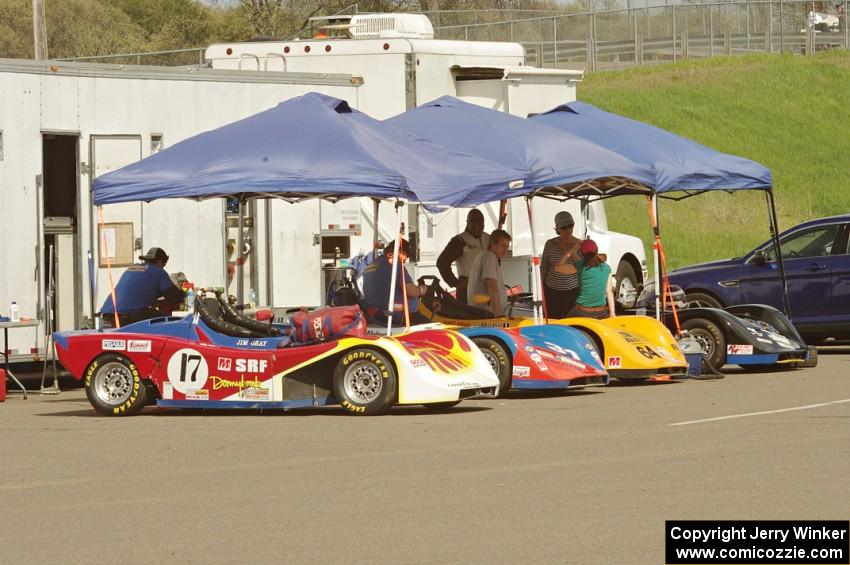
78,28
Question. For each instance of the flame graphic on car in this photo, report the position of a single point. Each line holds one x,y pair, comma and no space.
442,351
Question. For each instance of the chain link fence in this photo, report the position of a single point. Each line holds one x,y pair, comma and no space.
644,35
619,37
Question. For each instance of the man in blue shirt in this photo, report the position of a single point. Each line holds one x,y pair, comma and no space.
376,287
139,289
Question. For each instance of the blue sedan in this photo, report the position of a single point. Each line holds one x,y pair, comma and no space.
817,267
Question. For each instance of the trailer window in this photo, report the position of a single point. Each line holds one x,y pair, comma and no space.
157,144
336,246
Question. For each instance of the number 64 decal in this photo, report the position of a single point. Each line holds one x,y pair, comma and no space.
647,351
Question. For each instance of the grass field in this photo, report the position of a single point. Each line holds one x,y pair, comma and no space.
790,113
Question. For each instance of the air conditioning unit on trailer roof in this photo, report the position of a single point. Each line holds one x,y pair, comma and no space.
380,26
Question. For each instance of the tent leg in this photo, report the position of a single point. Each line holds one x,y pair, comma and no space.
536,283
393,277
656,257
503,213
376,208
774,229
240,258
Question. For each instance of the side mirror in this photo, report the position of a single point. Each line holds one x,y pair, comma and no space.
759,259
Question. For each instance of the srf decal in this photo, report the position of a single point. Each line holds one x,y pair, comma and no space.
226,364
113,345
521,371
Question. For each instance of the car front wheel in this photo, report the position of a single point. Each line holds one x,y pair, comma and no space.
627,284
711,338
499,359
365,382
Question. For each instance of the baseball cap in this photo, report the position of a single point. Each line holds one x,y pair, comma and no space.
404,247
588,247
154,254
564,219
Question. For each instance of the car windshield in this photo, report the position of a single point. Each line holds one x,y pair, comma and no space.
812,242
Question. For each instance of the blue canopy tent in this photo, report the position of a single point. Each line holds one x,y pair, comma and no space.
680,164
558,163
313,146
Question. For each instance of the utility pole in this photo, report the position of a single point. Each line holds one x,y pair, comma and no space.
39,30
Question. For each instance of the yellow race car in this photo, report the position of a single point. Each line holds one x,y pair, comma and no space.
631,347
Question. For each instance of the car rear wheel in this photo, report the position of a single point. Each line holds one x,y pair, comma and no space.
365,382
627,284
114,386
499,359
712,340
702,300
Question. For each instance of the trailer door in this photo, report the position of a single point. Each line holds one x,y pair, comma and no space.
296,254
122,222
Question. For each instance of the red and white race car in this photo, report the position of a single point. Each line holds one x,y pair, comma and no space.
186,363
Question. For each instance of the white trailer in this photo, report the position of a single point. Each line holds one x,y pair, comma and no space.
62,124
402,66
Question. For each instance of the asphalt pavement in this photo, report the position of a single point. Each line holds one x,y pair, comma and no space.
582,477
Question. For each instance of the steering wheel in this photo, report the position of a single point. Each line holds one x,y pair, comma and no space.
793,254
519,296
428,279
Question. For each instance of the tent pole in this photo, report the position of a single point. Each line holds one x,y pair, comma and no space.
536,285
585,214
391,306
774,229
376,205
240,258
503,213
105,245
656,257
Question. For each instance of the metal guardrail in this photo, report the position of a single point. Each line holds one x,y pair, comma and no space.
610,39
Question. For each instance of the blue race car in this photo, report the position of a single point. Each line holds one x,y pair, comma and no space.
817,267
539,357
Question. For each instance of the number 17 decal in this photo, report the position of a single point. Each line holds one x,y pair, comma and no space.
187,370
